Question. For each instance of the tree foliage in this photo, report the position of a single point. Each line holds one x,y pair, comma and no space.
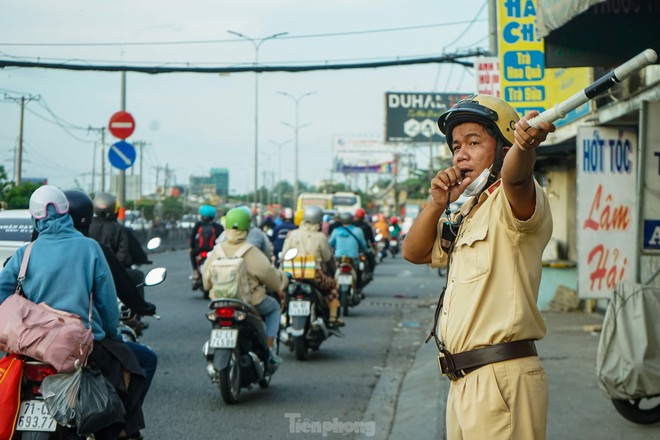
15,197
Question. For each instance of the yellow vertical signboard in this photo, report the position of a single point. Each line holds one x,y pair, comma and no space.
525,82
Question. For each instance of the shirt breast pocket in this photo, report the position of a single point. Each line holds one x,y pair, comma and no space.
472,254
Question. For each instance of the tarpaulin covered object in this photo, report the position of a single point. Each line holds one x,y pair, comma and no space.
628,359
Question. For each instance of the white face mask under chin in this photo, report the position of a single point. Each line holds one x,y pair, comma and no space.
478,184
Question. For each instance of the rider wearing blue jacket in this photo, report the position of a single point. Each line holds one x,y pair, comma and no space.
347,239
64,268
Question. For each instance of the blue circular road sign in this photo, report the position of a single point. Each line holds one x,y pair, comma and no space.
121,155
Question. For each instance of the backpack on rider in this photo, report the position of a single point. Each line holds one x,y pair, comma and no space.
229,275
205,237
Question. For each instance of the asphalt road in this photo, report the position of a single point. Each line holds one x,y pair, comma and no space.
337,382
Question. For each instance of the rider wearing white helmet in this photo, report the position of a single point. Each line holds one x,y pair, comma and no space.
65,269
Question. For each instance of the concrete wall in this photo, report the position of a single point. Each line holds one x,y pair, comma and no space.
561,190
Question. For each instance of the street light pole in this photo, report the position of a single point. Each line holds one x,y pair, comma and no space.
256,43
296,100
279,168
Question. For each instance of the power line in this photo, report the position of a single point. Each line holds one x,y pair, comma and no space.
235,40
60,121
65,129
445,58
161,63
467,28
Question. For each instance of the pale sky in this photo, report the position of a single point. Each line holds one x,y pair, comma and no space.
193,122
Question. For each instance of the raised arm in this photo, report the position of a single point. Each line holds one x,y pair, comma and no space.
518,167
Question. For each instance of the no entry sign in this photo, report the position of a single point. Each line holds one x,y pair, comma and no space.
121,125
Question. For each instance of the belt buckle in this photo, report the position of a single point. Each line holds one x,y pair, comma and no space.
445,369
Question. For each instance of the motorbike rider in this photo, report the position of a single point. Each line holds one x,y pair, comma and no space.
81,210
65,268
196,247
281,231
358,220
106,230
255,237
309,240
262,276
348,240
333,223
395,228
268,224
325,224
382,227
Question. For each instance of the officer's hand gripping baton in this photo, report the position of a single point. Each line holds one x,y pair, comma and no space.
604,83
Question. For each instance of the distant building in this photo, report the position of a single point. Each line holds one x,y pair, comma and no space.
37,180
217,181
132,187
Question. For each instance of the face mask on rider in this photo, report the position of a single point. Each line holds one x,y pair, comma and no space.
478,184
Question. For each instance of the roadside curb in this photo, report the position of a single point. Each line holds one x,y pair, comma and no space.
386,403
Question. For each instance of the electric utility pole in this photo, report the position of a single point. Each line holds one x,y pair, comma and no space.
19,156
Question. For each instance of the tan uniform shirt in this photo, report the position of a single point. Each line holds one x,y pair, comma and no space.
494,275
309,240
261,274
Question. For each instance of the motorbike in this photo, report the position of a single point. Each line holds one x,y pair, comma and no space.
200,259
381,245
306,319
393,246
34,421
129,325
366,275
237,354
350,293
627,364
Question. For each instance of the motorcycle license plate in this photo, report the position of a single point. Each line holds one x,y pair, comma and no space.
394,243
299,308
224,338
33,416
345,279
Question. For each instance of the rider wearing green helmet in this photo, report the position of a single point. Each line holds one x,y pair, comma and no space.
262,275
238,218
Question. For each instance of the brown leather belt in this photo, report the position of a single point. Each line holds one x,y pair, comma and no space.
455,366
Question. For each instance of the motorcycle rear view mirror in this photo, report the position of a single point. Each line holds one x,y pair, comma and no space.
155,276
154,243
290,254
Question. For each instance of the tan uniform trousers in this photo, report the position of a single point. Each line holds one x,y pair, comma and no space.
504,400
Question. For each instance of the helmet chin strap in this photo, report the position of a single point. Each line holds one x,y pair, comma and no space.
497,165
